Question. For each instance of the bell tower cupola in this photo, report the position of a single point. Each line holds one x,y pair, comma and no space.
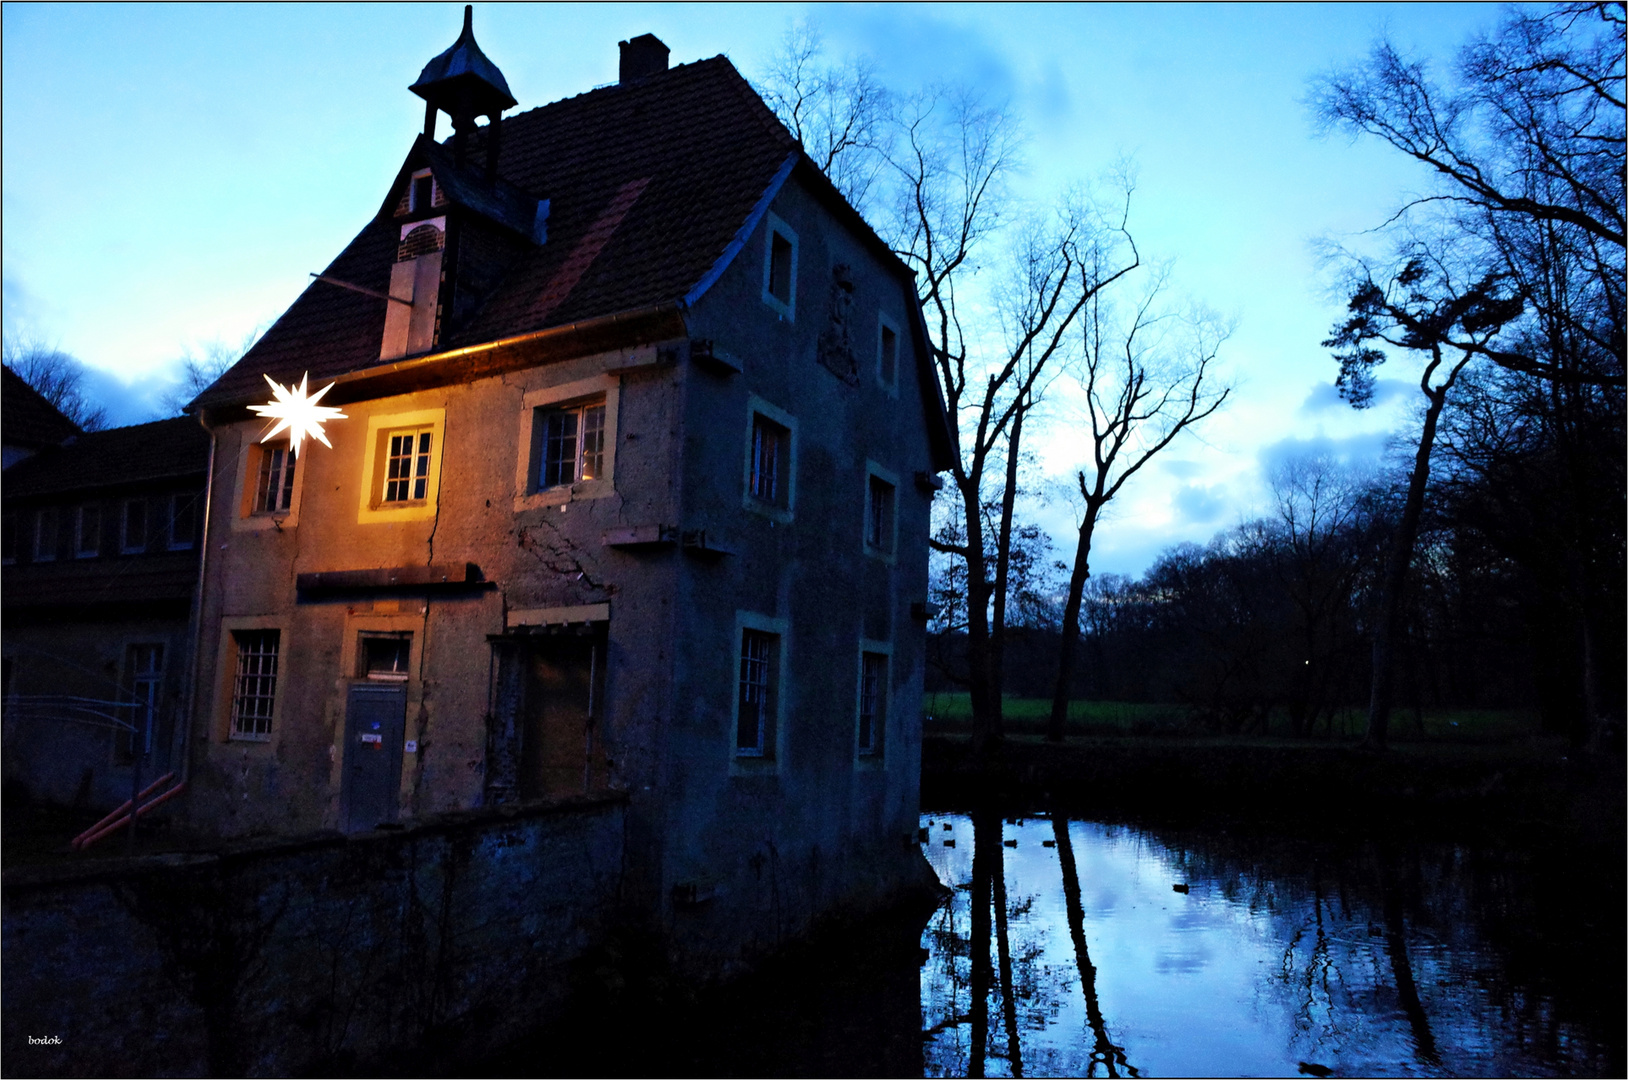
464,84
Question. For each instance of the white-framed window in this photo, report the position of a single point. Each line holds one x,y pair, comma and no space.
881,511
771,460
88,532
573,444
887,354
873,700
780,267
567,448
254,682
183,520
401,467
45,535
274,478
144,683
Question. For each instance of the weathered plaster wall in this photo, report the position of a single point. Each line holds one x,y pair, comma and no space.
388,952
534,553
819,829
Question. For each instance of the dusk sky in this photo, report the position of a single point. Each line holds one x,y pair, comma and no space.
173,174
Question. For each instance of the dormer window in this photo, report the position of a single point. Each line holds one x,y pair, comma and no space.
422,193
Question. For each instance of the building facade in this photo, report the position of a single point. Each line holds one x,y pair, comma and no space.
631,494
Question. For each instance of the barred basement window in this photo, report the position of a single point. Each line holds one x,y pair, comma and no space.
407,472
254,688
573,444
754,728
274,489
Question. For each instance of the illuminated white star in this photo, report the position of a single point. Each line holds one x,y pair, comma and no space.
298,413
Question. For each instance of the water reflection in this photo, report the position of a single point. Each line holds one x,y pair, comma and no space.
1084,949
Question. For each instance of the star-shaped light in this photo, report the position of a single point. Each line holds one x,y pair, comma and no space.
297,412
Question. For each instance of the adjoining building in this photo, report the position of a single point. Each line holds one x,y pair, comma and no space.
631,495
100,574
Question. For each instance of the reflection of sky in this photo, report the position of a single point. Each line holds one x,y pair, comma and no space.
1240,976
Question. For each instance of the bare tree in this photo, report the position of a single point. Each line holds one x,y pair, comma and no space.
1143,380
59,378
1515,257
839,112
200,368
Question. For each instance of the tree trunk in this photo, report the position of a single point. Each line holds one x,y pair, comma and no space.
1003,558
1389,625
1055,725
986,705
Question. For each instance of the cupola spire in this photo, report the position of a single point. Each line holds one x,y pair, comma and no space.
464,84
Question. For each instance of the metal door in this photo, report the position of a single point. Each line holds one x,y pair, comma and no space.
375,717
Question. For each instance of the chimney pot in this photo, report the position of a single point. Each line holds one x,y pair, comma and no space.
642,56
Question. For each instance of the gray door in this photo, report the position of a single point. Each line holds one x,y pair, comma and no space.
374,720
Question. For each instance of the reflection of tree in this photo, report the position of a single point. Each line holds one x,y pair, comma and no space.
1424,1041
1014,1048
983,860
1104,1051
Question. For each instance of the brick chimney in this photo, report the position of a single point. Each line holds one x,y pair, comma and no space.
644,55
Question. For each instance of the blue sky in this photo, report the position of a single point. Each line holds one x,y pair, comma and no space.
173,173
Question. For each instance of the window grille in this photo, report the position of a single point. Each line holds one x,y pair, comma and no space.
872,688
752,734
254,691
407,477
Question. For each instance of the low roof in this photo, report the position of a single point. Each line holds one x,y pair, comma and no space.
26,418
141,453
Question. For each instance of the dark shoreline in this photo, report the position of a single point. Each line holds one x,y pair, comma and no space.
1533,790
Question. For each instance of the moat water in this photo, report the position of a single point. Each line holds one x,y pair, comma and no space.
1198,953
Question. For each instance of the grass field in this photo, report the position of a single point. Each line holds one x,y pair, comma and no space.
950,713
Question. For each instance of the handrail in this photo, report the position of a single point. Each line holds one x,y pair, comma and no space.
125,820
123,808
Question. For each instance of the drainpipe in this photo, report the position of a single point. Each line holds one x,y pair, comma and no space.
197,609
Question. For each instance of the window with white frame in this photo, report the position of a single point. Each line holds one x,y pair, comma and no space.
254,684
771,452
183,520
880,497
573,444
887,355
144,682
88,532
407,467
873,687
421,196
274,478
133,527
45,535
780,267
756,702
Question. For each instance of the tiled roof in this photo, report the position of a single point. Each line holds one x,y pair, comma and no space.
653,178
118,456
26,418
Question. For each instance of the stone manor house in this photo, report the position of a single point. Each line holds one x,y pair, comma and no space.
630,498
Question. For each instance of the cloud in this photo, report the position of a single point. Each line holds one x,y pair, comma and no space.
1366,449
1182,469
1324,397
1197,504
